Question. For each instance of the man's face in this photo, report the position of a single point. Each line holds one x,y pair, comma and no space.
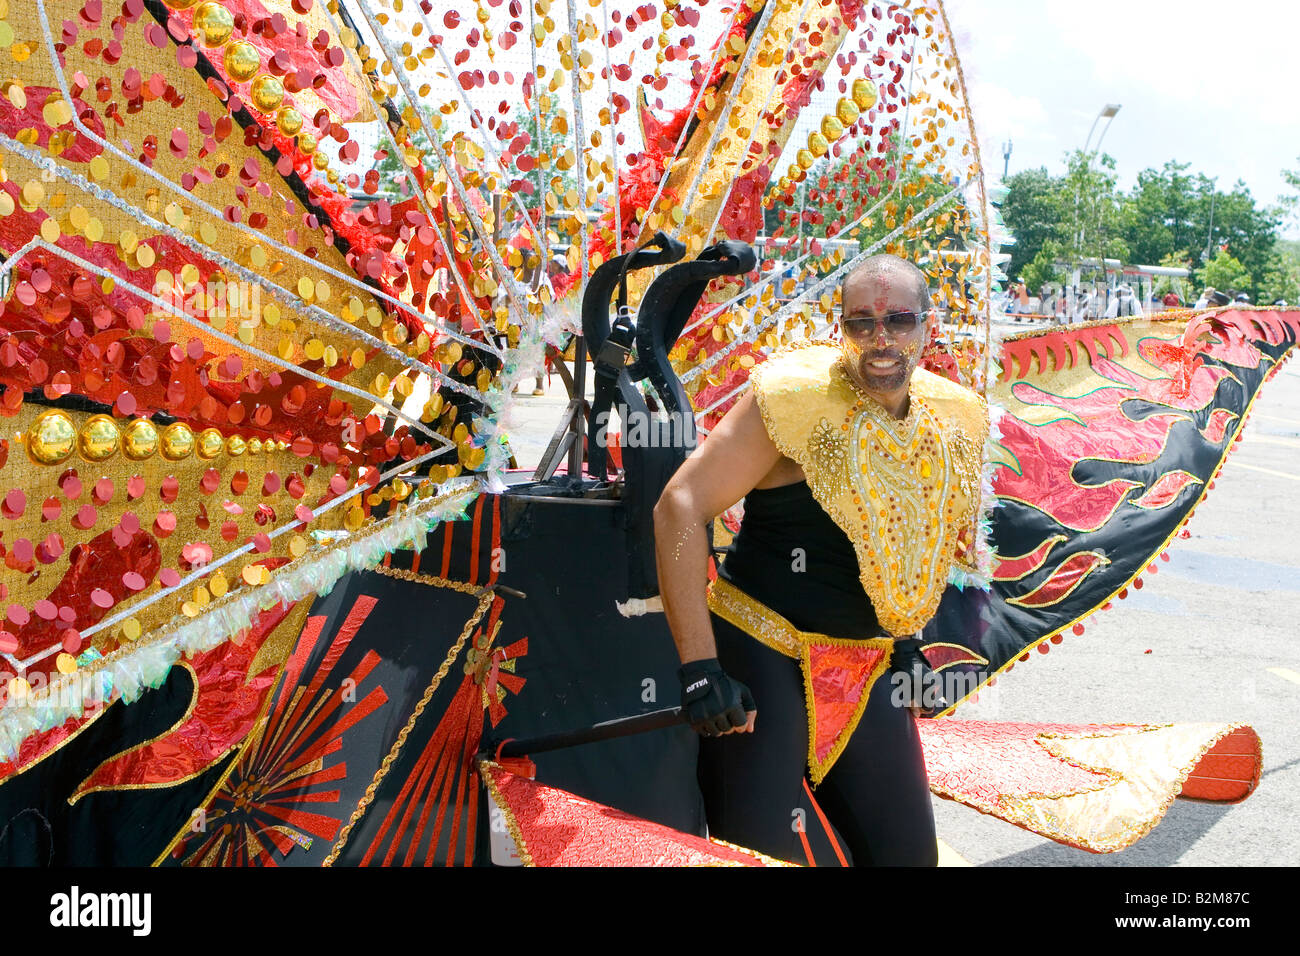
883,333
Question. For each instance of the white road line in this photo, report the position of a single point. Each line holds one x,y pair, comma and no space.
1284,672
1278,418
950,857
1267,471
1273,440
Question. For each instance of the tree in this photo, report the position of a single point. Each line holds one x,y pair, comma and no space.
1096,229
1289,207
1179,287
1248,231
1281,278
1066,219
1032,211
1226,274
1158,215
541,148
545,144
824,204
1044,269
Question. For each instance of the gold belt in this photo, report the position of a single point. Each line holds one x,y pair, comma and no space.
832,716
767,627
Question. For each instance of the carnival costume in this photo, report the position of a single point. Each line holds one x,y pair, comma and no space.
846,562
231,515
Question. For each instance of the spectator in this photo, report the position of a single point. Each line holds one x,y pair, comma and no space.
1204,301
1124,302
1097,305
1083,305
1171,300
1006,301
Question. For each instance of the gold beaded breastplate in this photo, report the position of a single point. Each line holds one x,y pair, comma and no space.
906,493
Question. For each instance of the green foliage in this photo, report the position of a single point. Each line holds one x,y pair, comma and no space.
1281,279
1247,231
1170,217
1290,204
548,142
1226,274
1183,288
394,175
545,140
1159,216
1032,211
1095,227
812,212
1043,270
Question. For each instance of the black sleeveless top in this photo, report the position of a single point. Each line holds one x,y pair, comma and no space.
792,556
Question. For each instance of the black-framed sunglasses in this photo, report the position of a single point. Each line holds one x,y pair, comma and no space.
895,323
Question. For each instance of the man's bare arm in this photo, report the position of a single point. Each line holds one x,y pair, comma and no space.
734,459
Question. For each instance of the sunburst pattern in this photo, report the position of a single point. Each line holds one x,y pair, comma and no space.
259,814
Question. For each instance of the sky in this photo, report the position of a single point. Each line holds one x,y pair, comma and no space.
1196,84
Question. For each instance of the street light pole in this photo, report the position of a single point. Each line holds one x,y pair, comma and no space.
1006,158
1209,235
1107,113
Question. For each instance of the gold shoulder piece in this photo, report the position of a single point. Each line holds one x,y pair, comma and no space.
905,492
796,388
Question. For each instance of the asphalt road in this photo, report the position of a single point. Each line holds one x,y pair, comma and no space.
1211,637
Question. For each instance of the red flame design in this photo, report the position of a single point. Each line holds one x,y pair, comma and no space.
1013,569
1099,429
1062,582
1165,490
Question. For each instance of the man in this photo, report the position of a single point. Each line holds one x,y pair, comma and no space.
861,480
1123,303
1204,302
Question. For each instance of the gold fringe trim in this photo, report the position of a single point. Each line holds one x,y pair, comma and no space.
485,768
428,579
1019,810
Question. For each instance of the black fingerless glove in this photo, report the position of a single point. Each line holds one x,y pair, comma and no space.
919,685
713,702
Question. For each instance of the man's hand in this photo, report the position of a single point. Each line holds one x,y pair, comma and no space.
715,704
920,686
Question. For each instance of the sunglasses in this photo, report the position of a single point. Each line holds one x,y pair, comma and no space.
896,323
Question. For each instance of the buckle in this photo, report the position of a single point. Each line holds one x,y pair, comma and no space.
611,359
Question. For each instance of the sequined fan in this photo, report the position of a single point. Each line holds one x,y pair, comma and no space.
272,269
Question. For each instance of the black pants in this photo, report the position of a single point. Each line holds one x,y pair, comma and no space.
876,796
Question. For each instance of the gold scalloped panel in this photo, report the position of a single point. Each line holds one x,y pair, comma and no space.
98,514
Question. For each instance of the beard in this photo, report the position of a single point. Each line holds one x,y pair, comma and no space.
884,381
890,380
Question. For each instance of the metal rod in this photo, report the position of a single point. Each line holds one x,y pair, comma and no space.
622,727
579,423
